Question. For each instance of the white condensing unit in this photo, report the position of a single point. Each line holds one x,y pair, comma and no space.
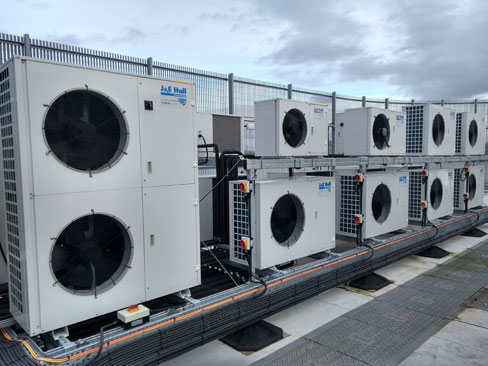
90,170
439,195
431,130
383,205
471,185
470,133
285,127
370,131
290,219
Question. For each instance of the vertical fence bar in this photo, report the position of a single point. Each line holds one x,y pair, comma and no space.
412,102
231,93
363,101
333,120
290,91
150,66
387,103
476,105
442,102
27,46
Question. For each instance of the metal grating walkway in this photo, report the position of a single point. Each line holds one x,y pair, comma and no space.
384,329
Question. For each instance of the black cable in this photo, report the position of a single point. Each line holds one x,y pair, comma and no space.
252,275
102,337
220,181
206,149
371,251
3,254
434,226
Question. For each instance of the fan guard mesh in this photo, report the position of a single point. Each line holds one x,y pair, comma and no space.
436,193
438,129
381,132
91,254
381,203
294,127
85,130
287,220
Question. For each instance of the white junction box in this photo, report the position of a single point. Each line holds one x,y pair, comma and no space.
383,207
439,196
134,315
472,185
370,131
291,218
470,133
285,127
88,187
431,130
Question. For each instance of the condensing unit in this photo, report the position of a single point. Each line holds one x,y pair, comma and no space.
285,127
469,187
87,187
380,198
370,131
470,133
431,130
436,189
286,219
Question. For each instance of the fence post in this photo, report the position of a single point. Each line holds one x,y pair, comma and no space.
476,105
150,66
290,91
231,93
363,102
442,102
333,119
27,46
412,101
387,103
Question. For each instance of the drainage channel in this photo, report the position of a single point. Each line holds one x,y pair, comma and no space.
387,329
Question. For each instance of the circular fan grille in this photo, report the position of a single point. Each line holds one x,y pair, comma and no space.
85,130
473,132
294,127
381,131
438,129
91,254
472,186
436,193
287,220
381,203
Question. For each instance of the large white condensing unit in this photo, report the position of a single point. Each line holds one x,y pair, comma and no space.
287,127
90,170
380,198
434,187
469,187
470,133
287,219
370,131
431,130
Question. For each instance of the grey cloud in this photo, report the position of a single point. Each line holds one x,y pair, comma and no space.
439,49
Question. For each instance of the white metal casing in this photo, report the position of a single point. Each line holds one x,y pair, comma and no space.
420,140
46,195
318,199
417,193
354,132
477,175
463,144
347,204
269,115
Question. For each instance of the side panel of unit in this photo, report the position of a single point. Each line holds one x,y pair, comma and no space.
171,239
347,205
319,130
397,133
204,127
415,195
350,135
266,128
238,222
17,174
168,133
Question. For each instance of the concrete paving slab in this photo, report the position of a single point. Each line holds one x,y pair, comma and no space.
475,317
465,334
439,352
343,298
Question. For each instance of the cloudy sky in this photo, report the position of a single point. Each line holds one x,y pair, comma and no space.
379,48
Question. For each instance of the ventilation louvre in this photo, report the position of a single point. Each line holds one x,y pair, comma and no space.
240,223
414,195
415,128
459,121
